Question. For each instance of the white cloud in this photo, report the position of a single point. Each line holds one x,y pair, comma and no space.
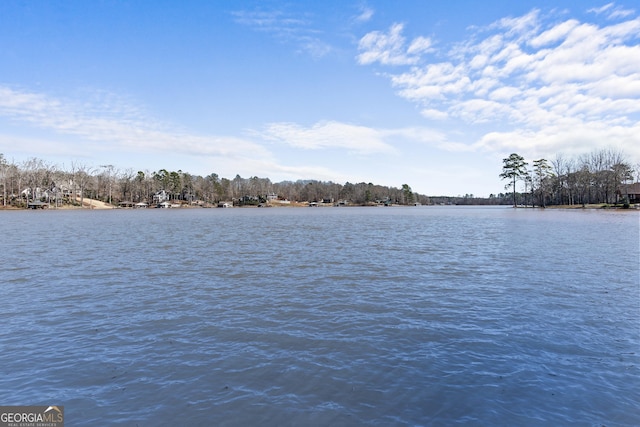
286,27
329,134
390,48
621,13
414,134
433,81
537,79
420,45
599,10
521,28
581,138
554,34
28,147
119,124
504,93
315,47
612,11
433,114
481,110
94,131
366,13
273,21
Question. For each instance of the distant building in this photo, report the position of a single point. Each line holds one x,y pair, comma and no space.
36,193
160,196
632,191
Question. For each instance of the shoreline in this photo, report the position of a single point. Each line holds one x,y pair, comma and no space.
92,204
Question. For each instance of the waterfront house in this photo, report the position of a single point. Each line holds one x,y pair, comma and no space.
160,196
632,191
35,193
66,189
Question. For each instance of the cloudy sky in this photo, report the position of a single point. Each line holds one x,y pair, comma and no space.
429,93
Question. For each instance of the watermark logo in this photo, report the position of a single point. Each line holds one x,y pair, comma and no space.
31,416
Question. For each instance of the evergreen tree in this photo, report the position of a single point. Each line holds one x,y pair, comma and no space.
514,168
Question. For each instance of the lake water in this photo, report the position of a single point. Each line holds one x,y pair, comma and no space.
333,317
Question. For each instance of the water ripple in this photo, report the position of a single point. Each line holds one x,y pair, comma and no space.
422,316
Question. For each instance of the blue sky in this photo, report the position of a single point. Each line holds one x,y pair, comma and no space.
429,93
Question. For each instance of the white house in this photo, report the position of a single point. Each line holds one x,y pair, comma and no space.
160,196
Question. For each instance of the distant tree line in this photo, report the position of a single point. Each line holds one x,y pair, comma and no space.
38,180
597,177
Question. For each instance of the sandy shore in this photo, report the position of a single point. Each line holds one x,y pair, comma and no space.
90,204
